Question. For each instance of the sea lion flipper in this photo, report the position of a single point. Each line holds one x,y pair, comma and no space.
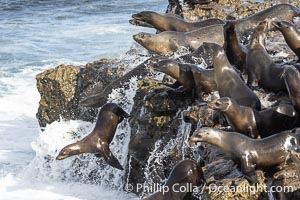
248,170
113,161
109,157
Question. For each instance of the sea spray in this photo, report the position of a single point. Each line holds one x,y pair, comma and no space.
85,168
155,163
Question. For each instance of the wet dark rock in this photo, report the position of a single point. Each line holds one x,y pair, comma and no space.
61,88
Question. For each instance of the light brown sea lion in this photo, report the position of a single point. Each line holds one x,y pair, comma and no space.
169,22
247,152
255,123
291,35
168,42
97,142
187,174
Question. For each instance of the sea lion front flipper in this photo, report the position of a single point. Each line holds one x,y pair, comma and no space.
109,157
248,170
113,161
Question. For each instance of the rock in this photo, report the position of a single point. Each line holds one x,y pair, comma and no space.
60,89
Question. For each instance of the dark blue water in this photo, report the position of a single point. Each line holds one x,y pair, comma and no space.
77,30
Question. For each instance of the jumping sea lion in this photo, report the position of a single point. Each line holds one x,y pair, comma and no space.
186,173
191,77
247,152
168,42
291,78
260,66
229,82
291,35
169,22
97,142
256,123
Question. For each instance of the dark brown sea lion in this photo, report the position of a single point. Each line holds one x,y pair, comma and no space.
191,77
169,22
228,81
168,42
291,78
235,51
255,123
277,12
185,174
247,152
291,35
97,142
260,66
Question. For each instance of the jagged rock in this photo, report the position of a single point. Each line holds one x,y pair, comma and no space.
60,89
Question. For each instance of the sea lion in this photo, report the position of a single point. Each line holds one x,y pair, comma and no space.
291,35
168,42
174,7
277,12
191,77
235,51
97,142
260,66
229,82
186,173
291,78
169,22
256,123
247,152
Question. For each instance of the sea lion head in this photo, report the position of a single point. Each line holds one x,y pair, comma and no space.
283,26
143,19
67,151
210,49
166,66
221,104
142,38
260,32
204,134
230,25
186,171
158,43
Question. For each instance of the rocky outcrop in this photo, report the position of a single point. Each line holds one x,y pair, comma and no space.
62,87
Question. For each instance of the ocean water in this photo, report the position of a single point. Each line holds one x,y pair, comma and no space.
36,35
